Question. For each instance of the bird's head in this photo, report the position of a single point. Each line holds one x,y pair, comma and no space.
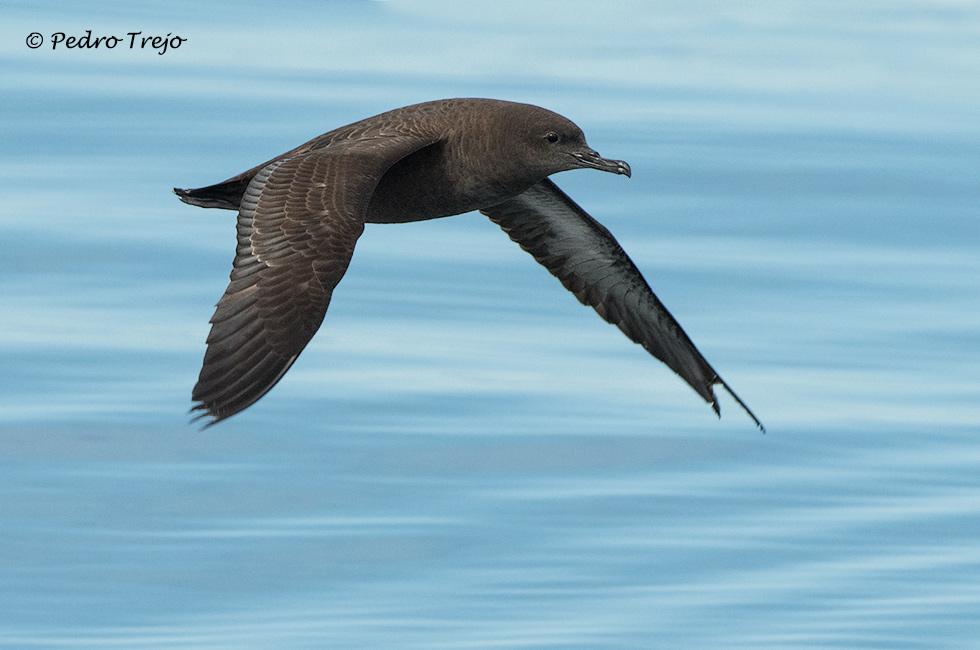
550,143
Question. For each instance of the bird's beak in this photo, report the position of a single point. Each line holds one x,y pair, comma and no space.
591,159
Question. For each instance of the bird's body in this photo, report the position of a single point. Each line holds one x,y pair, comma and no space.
300,214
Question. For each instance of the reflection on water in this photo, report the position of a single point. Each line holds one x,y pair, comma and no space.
466,457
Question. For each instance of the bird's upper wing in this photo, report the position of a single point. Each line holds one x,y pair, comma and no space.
297,225
583,254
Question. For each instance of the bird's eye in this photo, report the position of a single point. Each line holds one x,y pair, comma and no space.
552,137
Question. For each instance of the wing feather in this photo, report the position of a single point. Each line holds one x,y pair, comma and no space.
298,221
590,263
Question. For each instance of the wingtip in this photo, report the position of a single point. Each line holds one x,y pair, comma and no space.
197,417
748,411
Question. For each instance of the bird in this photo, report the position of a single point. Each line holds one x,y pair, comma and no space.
300,215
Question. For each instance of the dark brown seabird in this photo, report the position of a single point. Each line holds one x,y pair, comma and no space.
300,214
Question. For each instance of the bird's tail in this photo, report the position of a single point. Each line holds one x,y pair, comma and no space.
226,196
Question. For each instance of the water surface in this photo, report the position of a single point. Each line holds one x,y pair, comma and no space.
465,456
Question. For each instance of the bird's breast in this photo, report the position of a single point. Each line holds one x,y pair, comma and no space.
430,184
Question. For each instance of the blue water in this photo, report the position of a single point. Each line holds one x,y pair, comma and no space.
465,457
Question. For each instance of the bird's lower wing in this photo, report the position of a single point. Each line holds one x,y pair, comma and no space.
298,222
584,255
